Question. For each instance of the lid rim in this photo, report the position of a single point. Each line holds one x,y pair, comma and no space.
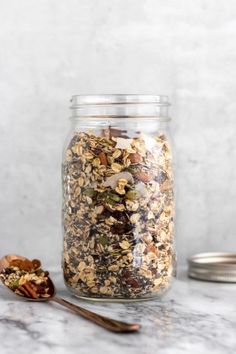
213,266
119,99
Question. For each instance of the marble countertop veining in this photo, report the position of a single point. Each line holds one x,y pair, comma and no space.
194,317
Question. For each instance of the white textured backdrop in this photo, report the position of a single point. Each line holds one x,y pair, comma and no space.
51,49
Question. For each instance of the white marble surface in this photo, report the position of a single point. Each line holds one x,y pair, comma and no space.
194,317
51,49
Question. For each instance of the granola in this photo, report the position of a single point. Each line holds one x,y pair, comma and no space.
26,278
118,216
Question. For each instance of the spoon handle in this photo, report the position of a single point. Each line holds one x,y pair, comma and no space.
105,322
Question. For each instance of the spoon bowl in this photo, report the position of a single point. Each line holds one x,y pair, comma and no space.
105,322
6,261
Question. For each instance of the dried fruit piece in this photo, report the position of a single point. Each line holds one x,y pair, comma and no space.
133,282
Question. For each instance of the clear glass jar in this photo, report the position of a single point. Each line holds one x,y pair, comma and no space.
118,201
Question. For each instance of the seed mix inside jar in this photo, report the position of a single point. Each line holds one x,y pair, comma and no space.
118,215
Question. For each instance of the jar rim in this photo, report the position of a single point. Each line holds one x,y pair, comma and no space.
115,99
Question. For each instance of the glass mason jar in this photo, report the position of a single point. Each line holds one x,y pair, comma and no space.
118,202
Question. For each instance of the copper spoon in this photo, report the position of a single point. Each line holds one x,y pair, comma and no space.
105,322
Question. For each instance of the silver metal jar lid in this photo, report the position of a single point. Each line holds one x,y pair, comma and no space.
219,267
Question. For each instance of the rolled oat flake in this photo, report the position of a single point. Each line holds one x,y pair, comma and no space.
212,266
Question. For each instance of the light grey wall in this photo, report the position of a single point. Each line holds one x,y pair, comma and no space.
51,49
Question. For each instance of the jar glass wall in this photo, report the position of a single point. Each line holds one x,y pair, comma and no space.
118,200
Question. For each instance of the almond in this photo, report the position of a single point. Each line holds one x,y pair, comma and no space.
143,176
135,158
103,158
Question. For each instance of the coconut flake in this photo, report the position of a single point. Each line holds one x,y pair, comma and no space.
141,188
122,143
112,181
151,143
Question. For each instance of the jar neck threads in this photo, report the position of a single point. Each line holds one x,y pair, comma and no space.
120,106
